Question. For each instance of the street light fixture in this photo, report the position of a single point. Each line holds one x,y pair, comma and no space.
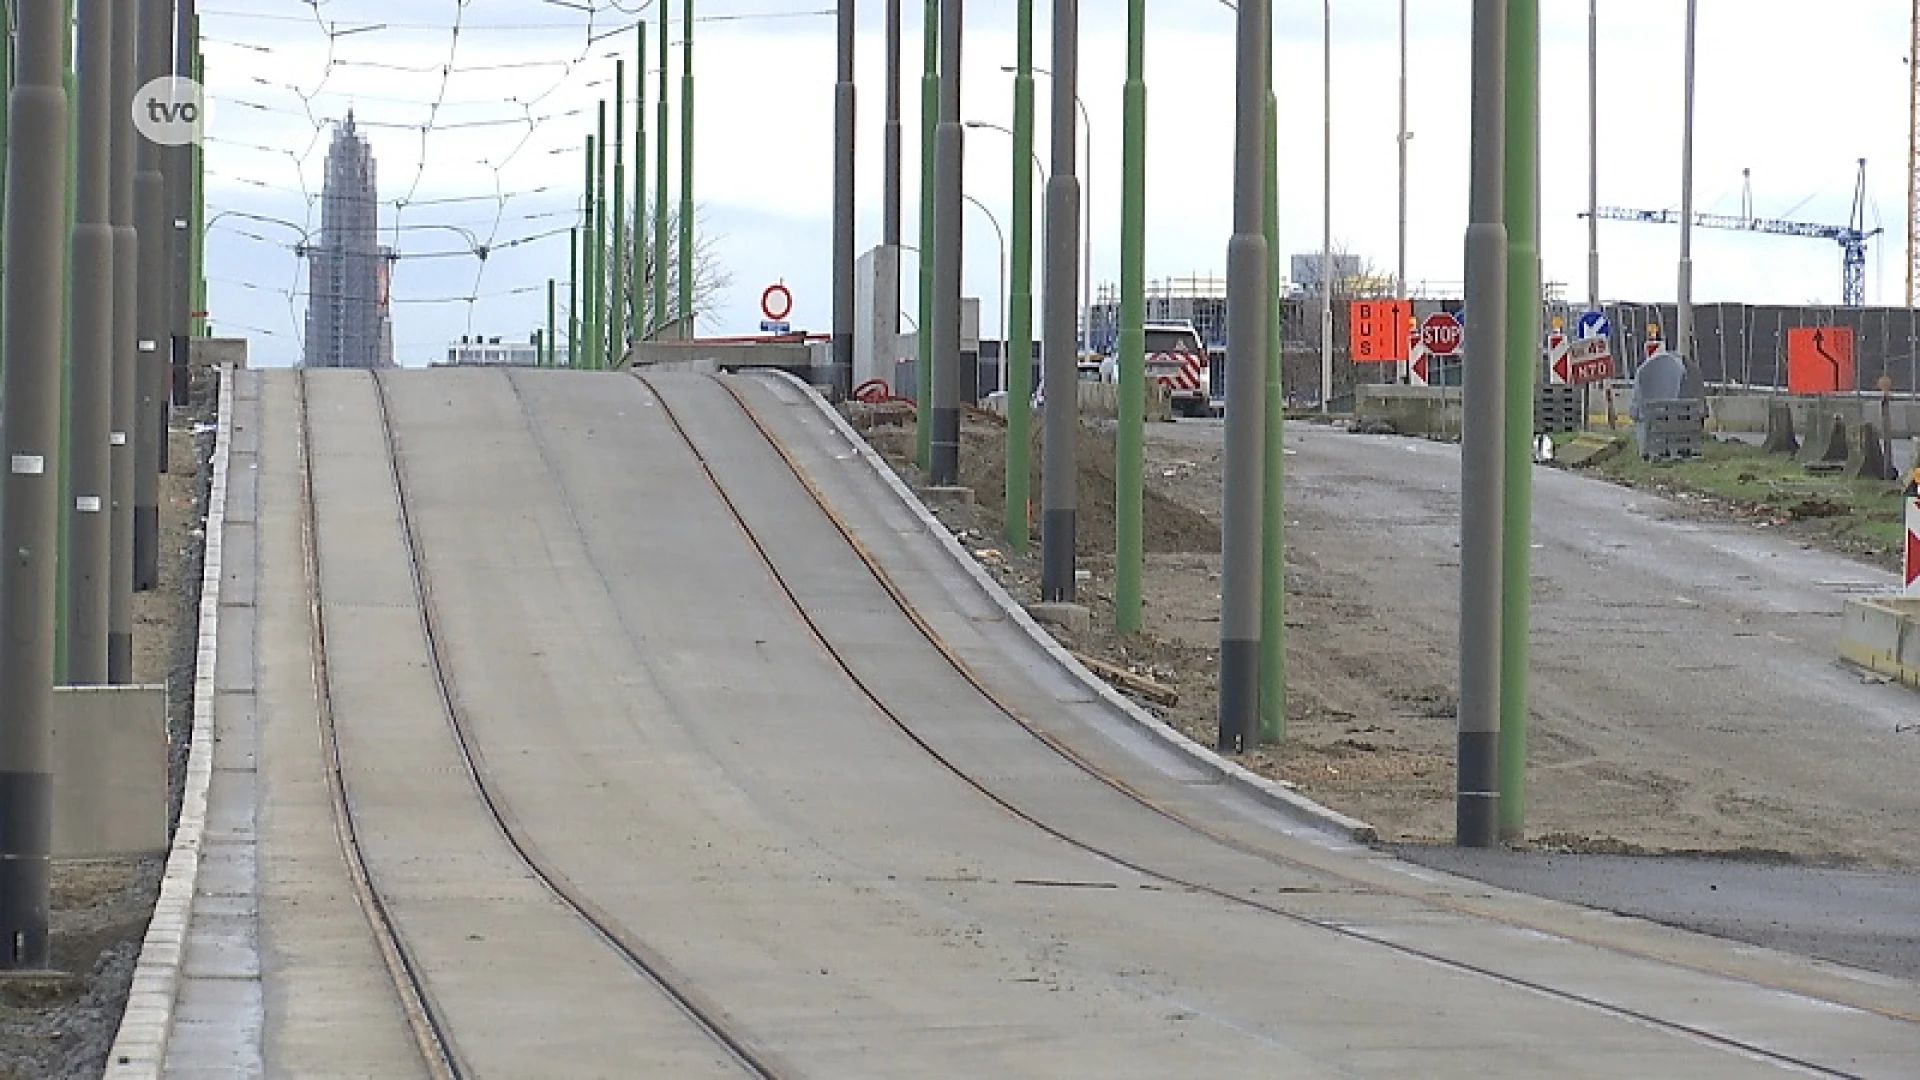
1004,130
1086,214
1001,297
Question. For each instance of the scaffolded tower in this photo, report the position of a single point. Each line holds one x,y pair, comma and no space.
346,307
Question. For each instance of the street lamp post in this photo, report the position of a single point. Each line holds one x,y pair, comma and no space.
1482,463
1059,497
841,378
1400,272
948,156
1017,380
1326,209
1001,238
1683,322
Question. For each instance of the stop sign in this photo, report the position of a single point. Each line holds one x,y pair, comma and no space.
1440,333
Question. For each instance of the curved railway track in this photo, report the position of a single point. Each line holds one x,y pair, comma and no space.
1200,829
430,1027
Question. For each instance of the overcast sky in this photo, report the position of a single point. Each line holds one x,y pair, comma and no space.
1795,99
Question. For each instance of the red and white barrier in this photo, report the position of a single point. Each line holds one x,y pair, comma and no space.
1910,570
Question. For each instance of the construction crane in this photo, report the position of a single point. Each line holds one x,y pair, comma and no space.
1852,237
1913,153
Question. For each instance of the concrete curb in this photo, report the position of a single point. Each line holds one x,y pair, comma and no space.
140,1047
1273,794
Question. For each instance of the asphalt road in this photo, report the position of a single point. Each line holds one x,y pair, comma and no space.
1696,657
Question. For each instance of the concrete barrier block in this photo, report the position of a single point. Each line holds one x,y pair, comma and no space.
1826,438
1866,458
1780,436
109,771
1432,411
1882,634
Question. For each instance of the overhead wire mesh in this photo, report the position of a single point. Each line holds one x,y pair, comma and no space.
467,110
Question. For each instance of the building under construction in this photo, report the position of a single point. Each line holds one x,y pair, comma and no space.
348,317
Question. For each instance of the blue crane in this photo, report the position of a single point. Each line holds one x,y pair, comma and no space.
1852,237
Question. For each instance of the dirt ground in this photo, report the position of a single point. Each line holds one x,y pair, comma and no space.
63,1025
1371,731
1369,768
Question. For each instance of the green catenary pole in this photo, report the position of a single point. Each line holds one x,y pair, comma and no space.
63,521
660,188
199,238
637,255
547,349
1523,363
929,119
600,243
686,170
1018,516
617,287
1130,439
1273,582
573,296
587,234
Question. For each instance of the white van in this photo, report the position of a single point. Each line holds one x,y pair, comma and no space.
1177,360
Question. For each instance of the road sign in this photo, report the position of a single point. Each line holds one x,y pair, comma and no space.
1654,347
1440,333
1819,359
776,303
775,326
1556,357
1584,361
1592,324
1376,330
1417,370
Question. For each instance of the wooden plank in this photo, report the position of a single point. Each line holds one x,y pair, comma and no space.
1157,692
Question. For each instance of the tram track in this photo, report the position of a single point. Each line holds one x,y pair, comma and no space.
426,1019
1690,1031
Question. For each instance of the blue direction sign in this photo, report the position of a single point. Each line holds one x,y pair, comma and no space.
1592,324
775,326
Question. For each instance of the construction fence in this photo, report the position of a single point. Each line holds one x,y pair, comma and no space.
1734,344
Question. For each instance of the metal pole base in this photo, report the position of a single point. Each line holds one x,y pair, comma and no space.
945,471
1239,694
146,548
1477,804
1056,554
120,659
24,879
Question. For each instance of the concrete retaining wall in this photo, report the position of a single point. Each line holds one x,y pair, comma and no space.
1748,411
214,352
795,356
109,771
1412,410
1101,401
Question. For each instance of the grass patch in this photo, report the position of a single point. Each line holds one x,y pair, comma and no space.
1864,516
